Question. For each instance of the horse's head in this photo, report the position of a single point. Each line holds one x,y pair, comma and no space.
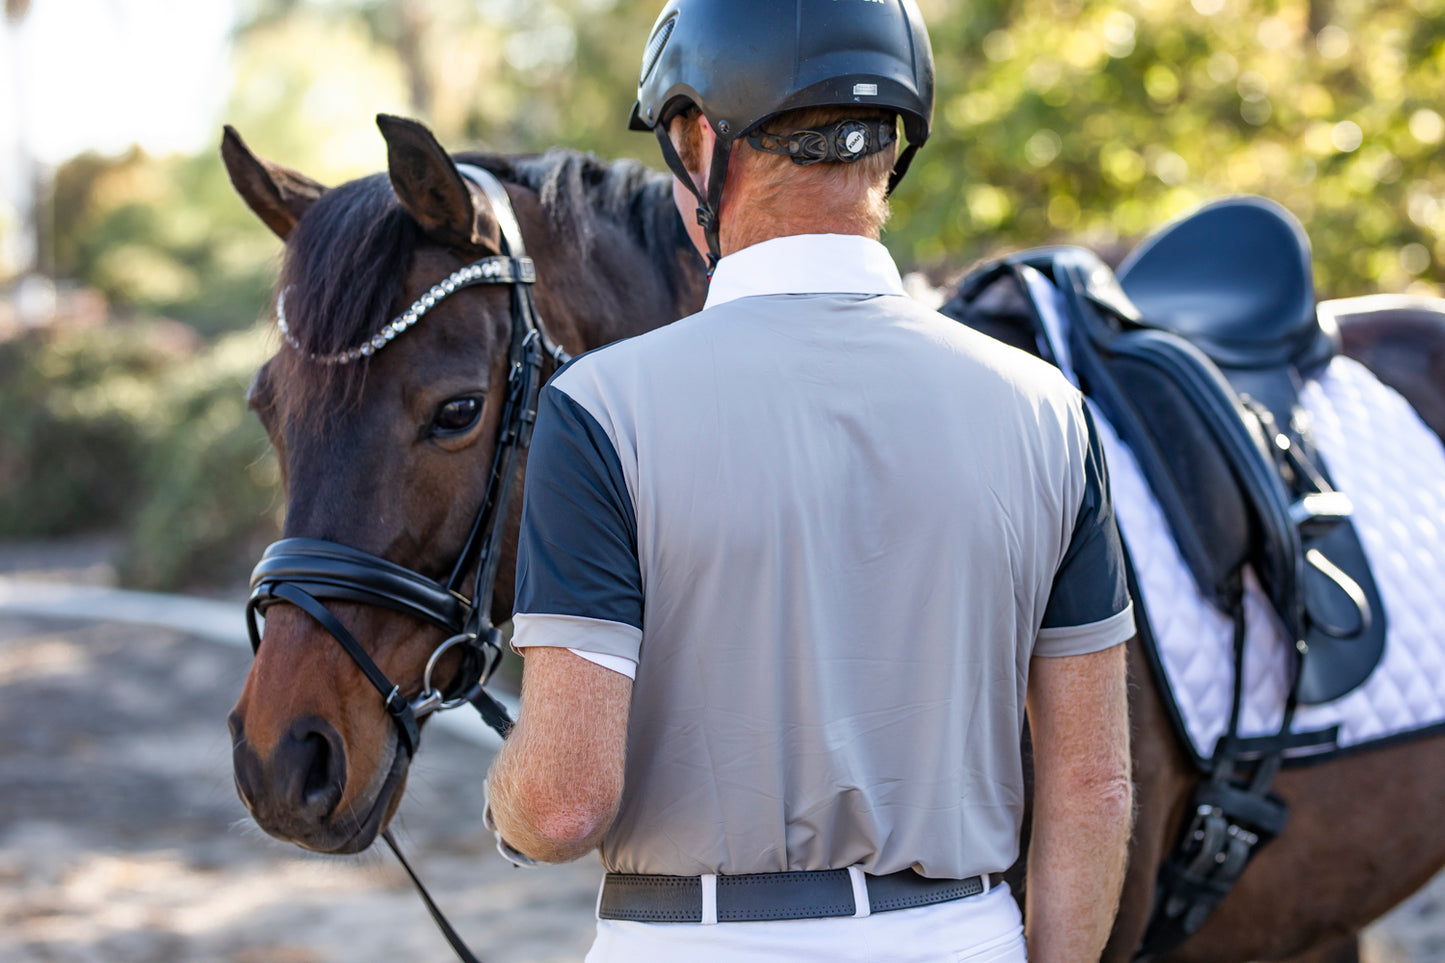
385,405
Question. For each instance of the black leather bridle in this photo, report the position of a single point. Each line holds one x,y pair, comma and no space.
306,572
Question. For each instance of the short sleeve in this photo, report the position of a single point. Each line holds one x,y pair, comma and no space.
1089,608
578,581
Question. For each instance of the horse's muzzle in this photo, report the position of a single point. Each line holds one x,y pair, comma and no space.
295,794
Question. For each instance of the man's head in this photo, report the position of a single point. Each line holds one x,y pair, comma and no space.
792,105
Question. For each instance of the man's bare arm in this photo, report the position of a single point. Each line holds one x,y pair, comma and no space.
1083,803
555,786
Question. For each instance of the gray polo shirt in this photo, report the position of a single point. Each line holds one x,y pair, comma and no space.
829,528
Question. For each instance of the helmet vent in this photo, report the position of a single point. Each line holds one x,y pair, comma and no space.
654,47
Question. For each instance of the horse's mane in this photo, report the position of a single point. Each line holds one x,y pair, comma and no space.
346,259
579,191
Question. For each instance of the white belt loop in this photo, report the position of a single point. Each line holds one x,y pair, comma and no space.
862,907
709,898
600,888
987,882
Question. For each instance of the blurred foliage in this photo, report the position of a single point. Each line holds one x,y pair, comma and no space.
1057,121
1071,120
1096,122
162,236
142,428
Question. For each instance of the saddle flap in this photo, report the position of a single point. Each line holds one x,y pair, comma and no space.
1197,488
1204,461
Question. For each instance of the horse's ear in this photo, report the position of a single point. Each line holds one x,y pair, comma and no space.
428,185
277,194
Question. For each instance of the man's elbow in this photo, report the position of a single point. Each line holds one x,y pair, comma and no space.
565,833
560,824
1106,787
1115,795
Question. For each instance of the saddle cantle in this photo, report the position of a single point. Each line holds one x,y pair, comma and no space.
1234,279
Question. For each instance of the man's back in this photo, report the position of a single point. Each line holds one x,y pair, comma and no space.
786,568
849,512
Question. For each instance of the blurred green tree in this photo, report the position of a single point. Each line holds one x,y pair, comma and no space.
1057,120
1077,121
1092,122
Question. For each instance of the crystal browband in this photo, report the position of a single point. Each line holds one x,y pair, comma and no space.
489,270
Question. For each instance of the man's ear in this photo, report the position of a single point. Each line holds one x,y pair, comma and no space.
700,132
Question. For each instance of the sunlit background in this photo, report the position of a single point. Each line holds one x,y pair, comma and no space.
135,306
133,278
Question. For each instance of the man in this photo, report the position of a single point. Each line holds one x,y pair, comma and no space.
791,568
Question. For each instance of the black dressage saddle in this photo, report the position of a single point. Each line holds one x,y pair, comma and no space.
1196,352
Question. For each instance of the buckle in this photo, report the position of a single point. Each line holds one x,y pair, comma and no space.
1321,509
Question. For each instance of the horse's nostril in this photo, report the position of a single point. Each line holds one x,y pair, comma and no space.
315,764
320,779
248,772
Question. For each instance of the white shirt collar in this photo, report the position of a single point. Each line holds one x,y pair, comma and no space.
806,264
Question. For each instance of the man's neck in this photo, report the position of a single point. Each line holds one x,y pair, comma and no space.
737,234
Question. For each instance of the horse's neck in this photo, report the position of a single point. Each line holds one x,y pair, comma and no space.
646,298
617,288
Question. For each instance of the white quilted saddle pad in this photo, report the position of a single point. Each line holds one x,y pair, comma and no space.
1393,468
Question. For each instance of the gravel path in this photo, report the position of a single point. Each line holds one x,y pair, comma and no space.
121,838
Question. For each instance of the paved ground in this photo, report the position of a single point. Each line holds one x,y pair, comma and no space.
121,838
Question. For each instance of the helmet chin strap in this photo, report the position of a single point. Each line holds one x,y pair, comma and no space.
709,204
900,166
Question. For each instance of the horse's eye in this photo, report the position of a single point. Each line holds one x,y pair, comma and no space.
457,415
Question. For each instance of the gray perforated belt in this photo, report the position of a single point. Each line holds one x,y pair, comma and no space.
776,896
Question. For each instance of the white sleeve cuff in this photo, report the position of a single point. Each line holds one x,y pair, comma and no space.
1082,639
575,631
612,645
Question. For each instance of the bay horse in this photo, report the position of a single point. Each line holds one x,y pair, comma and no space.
386,453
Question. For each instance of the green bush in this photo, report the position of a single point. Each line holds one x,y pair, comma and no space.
210,479
76,411
141,428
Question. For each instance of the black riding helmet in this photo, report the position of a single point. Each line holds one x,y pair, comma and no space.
744,61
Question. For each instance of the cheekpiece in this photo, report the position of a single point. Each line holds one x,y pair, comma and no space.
489,270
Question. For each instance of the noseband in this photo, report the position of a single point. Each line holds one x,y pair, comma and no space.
308,571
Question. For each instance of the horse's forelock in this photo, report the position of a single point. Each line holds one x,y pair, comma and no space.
346,259
345,264
344,269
